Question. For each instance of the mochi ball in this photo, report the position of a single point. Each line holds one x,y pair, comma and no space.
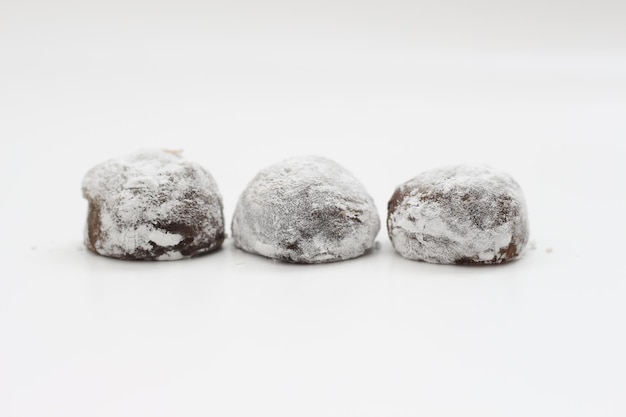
152,205
305,210
463,214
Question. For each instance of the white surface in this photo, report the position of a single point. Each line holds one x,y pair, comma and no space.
387,90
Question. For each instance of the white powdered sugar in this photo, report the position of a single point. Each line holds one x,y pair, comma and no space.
463,214
152,205
305,210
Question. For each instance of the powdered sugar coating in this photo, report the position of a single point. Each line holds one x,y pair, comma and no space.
305,210
152,205
464,214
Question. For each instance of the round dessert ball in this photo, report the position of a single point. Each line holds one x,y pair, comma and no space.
305,210
463,214
152,205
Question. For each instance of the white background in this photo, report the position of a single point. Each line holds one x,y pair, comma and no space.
388,89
